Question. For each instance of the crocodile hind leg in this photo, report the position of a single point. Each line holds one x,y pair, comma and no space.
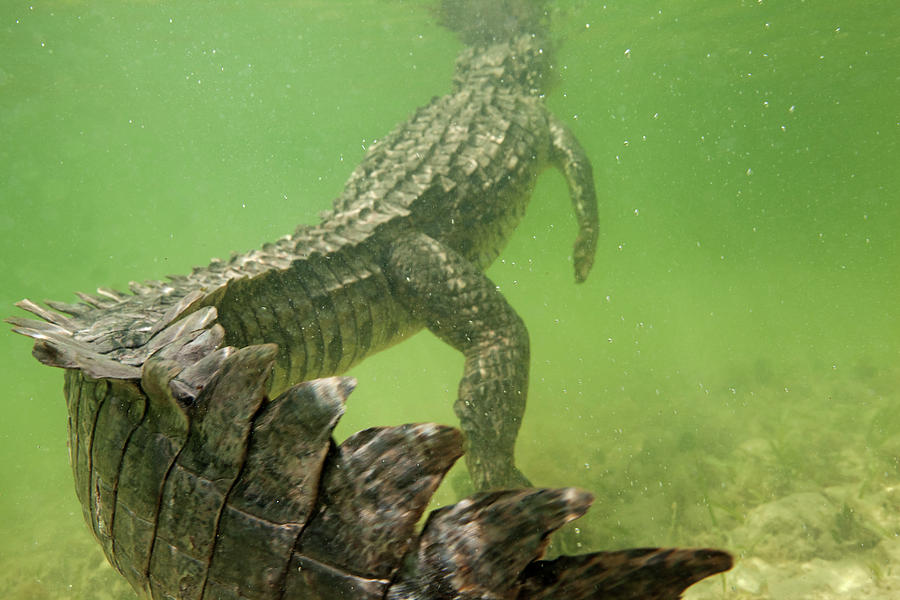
462,307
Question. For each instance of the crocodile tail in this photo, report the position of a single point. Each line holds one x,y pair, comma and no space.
647,573
236,494
112,334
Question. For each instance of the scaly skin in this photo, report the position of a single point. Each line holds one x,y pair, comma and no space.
234,495
206,474
405,247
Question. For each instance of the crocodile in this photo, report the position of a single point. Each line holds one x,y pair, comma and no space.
404,248
201,408
227,493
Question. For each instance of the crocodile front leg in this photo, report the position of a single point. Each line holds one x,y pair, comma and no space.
567,155
462,307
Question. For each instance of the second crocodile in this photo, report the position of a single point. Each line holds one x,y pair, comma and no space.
405,247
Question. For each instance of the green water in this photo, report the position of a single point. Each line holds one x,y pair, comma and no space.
728,374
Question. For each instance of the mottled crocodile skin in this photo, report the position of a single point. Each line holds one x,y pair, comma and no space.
429,208
235,495
201,409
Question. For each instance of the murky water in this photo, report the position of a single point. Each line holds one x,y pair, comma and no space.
728,374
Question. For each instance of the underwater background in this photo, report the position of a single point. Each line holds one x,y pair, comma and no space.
727,376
